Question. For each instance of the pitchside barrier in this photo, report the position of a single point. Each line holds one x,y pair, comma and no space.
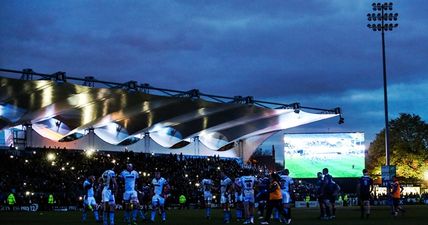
313,204
298,204
22,208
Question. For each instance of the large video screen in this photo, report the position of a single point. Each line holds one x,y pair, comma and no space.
342,153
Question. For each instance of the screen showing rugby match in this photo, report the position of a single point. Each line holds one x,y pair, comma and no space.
342,153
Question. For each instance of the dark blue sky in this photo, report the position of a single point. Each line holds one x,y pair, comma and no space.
319,53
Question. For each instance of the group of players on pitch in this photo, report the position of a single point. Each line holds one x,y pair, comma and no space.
109,186
273,192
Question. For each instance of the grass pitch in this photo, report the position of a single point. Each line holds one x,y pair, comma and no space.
345,166
415,215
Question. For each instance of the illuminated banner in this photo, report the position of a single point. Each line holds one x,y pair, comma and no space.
342,153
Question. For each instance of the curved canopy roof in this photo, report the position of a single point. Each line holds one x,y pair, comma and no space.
59,110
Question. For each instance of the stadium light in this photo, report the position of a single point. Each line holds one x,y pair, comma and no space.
89,153
382,21
27,193
51,157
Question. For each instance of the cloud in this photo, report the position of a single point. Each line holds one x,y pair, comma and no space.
319,53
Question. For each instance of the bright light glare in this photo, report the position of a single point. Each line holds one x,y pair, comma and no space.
51,157
89,153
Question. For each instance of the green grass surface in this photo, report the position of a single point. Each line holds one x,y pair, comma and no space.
415,215
339,167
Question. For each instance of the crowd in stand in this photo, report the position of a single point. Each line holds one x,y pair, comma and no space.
33,175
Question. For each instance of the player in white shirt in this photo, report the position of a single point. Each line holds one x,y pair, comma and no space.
130,195
239,198
207,185
248,184
107,198
225,189
286,183
89,198
158,199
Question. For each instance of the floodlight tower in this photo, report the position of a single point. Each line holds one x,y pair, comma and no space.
383,20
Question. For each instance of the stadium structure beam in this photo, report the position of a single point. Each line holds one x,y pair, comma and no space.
29,74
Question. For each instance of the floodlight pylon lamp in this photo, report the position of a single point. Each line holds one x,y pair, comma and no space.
385,6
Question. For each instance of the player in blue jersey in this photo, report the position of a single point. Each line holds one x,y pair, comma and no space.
248,183
262,194
207,185
226,185
158,200
365,187
130,196
89,202
330,190
286,183
144,198
319,192
326,193
109,188
239,198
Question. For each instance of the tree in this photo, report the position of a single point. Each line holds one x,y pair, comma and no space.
408,148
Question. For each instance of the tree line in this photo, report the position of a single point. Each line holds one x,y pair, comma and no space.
408,141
